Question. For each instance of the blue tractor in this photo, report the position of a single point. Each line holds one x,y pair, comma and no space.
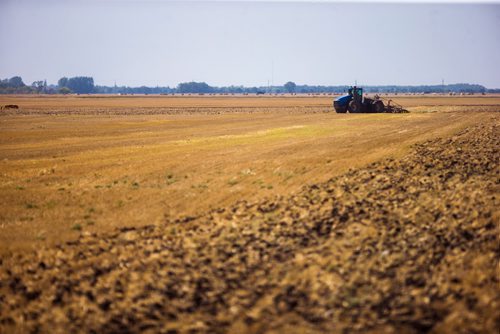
355,102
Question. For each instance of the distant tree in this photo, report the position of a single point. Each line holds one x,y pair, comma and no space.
194,87
290,87
64,90
39,86
63,82
16,82
4,83
81,85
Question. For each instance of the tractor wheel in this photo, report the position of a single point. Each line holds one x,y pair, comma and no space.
355,107
338,108
378,107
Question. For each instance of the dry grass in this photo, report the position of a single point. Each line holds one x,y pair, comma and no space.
62,174
51,102
406,245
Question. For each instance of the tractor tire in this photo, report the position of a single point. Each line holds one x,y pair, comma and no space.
355,107
339,109
378,107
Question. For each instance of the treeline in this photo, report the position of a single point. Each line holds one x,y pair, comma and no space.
85,85
134,90
290,87
457,88
15,85
79,85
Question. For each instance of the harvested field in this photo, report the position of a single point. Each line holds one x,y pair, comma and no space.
174,105
307,223
61,173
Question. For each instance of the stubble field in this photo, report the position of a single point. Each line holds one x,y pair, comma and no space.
246,214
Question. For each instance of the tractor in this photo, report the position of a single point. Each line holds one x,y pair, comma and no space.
355,102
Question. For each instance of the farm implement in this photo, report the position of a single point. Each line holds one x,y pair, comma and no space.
355,102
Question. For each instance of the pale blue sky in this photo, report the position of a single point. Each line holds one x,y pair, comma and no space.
237,42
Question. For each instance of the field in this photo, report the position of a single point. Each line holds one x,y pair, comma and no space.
248,214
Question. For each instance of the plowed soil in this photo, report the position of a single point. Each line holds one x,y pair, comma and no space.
403,245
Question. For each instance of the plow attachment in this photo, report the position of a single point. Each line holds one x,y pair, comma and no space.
393,107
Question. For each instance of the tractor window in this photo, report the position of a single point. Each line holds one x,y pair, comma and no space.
360,92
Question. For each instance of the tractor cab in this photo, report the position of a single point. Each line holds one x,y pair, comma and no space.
356,93
341,103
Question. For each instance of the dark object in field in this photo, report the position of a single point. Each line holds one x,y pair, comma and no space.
10,106
354,102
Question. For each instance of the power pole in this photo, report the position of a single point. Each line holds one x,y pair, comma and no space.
272,73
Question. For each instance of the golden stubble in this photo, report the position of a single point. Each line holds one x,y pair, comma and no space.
107,166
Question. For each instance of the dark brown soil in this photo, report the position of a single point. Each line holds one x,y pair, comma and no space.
399,246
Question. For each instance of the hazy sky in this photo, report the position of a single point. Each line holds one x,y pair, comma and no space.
247,43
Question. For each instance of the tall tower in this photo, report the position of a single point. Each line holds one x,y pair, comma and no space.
272,74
